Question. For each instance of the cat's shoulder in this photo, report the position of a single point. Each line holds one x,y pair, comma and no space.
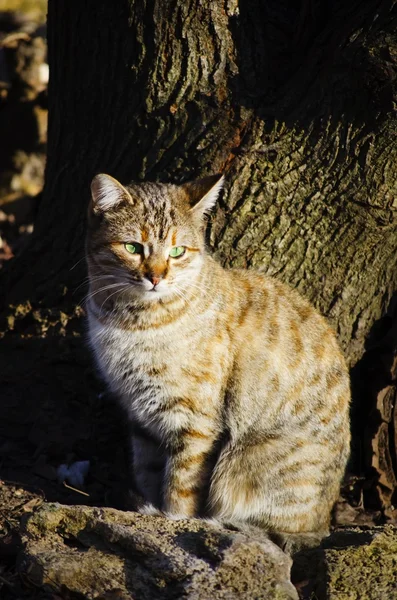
256,280
269,292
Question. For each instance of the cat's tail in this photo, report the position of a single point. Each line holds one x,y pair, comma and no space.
290,543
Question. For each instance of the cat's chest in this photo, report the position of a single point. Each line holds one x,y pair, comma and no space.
148,357
150,371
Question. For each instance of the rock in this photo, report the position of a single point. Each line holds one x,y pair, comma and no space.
352,564
106,553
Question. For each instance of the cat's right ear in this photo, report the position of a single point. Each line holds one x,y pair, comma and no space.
106,193
203,193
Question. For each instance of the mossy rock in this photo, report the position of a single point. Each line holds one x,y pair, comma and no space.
97,551
358,563
363,572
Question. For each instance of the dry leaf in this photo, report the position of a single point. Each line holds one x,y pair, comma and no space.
32,504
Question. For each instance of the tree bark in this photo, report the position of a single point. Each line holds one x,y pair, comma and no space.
293,101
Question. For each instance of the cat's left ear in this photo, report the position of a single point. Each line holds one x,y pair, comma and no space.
106,193
204,193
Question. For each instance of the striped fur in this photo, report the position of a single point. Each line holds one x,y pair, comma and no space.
236,390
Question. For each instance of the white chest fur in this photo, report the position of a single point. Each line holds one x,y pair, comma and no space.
147,369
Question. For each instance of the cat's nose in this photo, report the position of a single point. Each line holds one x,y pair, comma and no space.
155,280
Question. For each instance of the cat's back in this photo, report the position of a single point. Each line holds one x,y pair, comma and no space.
281,321
286,360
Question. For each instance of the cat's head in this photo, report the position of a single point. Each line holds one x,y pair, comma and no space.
148,236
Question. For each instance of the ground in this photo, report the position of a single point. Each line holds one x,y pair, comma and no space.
53,411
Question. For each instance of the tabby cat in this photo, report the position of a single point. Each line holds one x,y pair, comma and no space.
235,388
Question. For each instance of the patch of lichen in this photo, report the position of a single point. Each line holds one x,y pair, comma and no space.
55,519
366,572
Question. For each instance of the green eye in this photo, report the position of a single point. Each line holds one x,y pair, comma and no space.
134,248
177,251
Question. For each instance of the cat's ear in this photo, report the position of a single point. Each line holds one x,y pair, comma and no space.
106,193
204,193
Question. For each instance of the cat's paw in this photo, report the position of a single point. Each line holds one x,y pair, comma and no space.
208,520
213,522
292,543
175,516
150,510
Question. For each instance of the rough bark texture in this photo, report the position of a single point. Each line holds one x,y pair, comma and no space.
294,102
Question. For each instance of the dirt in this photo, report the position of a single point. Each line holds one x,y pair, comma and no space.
53,411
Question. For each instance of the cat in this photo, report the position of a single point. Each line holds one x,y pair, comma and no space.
236,391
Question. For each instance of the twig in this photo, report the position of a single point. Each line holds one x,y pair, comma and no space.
75,489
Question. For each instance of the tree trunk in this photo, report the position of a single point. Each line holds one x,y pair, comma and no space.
293,101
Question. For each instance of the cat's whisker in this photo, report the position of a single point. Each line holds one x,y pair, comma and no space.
195,296
179,293
186,299
77,263
187,283
94,279
125,287
201,287
186,287
103,289
92,294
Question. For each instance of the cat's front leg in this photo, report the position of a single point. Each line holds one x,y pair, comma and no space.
187,473
148,465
